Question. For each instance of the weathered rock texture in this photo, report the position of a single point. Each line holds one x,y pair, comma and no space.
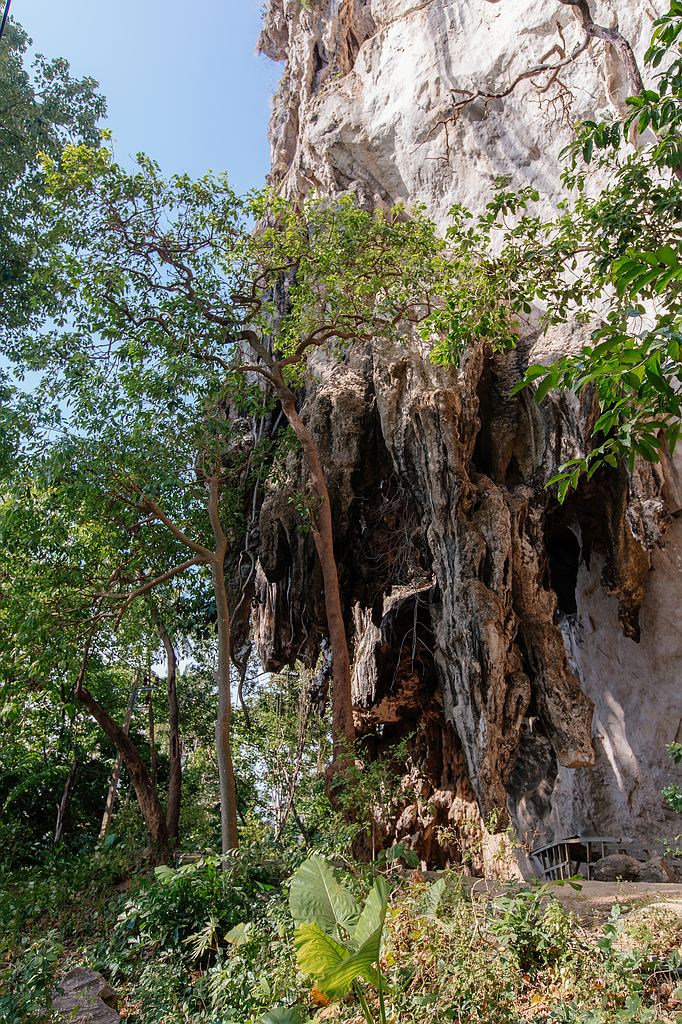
530,649
85,997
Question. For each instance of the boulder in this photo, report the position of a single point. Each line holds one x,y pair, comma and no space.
617,867
83,998
658,870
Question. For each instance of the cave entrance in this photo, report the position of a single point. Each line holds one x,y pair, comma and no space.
563,552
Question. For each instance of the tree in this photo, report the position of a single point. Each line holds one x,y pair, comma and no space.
60,639
141,444
171,270
41,109
610,258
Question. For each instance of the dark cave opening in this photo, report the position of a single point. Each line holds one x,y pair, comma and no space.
563,552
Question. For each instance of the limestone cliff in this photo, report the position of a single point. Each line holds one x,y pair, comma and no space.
530,650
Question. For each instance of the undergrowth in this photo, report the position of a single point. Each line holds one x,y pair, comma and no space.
198,945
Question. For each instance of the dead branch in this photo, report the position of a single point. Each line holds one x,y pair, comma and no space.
591,29
612,36
533,72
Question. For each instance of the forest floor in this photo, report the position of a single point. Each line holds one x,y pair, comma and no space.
198,945
592,902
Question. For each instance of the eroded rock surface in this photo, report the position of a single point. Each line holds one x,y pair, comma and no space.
529,649
85,997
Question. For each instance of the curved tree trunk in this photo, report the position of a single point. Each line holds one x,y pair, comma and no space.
116,774
343,728
62,805
150,806
153,752
228,788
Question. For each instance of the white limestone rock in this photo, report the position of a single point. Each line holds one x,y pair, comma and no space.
563,712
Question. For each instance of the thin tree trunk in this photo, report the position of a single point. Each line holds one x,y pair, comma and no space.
150,806
228,788
61,806
116,774
174,746
343,728
153,754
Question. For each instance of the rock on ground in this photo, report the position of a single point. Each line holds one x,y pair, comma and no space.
82,1000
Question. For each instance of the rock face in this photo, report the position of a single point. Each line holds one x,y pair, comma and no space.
529,650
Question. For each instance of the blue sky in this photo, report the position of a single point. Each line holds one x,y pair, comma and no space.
182,80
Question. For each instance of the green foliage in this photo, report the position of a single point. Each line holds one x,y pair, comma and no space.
189,909
446,955
336,942
672,793
610,258
142,376
372,789
281,1015
46,908
626,242
198,943
26,989
43,107
532,925
316,897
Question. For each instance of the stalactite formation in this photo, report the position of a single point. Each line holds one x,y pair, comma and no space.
524,647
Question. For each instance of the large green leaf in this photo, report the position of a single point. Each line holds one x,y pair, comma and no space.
316,896
281,1015
433,898
373,913
316,952
337,981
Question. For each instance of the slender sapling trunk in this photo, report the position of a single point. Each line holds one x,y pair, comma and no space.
343,727
228,788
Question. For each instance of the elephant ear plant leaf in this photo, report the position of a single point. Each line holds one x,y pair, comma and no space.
316,897
337,943
281,1015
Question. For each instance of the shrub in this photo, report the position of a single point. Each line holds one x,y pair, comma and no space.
532,925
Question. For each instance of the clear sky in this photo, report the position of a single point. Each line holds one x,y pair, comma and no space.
182,79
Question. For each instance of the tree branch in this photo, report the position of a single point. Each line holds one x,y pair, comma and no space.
204,554
151,584
612,36
532,72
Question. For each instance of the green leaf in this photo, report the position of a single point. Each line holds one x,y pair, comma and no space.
281,1015
433,897
666,254
543,389
671,275
534,372
316,952
239,935
373,913
337,981
316,897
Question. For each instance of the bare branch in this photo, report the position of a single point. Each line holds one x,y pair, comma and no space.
156,582
532,72
204,554
612,36
591,30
